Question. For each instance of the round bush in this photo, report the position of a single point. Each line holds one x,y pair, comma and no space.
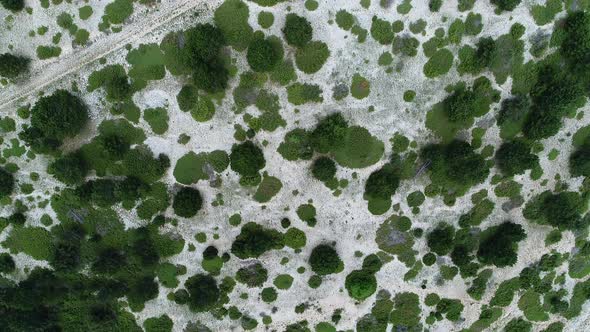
69,169
295,238
360,284
507,5
13,5
515,157
6,183
246,159
440,240
60,115
6,263
323,169
263,54
253,275
297,30
187,202
311,57
324,260
203,292
11,65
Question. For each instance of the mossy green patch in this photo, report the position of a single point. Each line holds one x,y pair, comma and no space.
268,188
359,148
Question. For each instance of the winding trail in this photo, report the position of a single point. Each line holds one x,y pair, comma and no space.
49,72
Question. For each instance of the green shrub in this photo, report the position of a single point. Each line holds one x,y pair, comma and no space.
499,244
507,5
440,240
59,115
518,325
323,169
12,65
203,291
158,324
253,275
13,5
382,183
381,31
324,260
360,284
246,159
264,54
311,57
254,240
561,210
69,169
295,238
6,183
7,264
515,157
297,30
187,202
329,133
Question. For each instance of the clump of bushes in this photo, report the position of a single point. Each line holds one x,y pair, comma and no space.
561,210
324,260
202,55
264,54
360,284
203,292
187,202
6,183
253,275
323,169
297,30
499,244
11,65
254,240
70,168
440,240
247,160
507,5
53,119
13,5
455,167
515,157
382,183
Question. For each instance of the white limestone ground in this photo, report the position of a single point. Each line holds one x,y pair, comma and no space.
343,219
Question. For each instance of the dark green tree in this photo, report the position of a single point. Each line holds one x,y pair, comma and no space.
187,202
253,275
499,244
12,65
264,54
329,133
247,159
507,5
324,260
382,183
60,115
254,240
6,183
323,169
7,264
580,161
515,157
69,169
202,44
576,44
13,5
360,284
203,292
440,240
297,30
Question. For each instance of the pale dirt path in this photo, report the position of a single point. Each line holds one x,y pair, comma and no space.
46,73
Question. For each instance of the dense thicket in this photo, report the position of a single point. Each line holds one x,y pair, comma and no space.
264,54
202,55
297,30
254,240
69,169
507,5
499,244
456,166
323,168
440,240
6,183
12,65
187,202
324,260
13,5
515,157
203,292
382,183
